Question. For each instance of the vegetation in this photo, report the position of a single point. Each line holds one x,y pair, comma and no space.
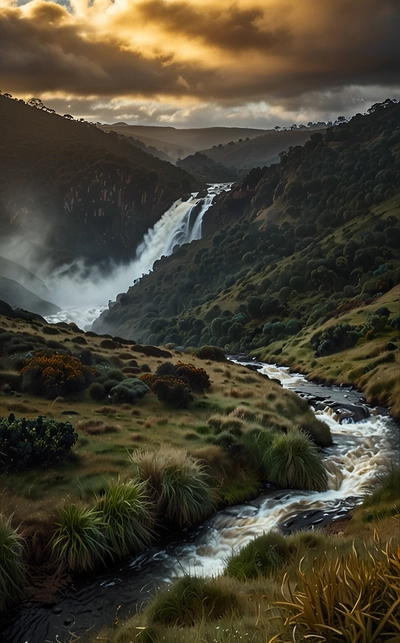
79,540
178,485
289,256
50,374
33,443
12,567
126,512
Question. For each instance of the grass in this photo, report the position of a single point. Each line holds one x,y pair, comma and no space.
178,484
126,512
293,462
12,567
79,540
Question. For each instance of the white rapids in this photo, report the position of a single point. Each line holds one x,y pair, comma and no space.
362,452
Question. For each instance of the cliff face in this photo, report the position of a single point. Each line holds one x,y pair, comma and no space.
75,191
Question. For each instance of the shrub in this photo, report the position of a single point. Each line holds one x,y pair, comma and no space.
196,378
97,391
191,601
25,443
178,484
12,568
293,462
50,374
79,540
169,389
129,391
126,511
213,353
335,338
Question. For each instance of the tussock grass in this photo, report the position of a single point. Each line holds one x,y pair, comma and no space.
191,600
79,540
178,484
127,515
293,462
12,567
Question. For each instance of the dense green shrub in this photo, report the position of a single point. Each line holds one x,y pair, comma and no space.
213,353
12,568
129,391
50,374
335,338
97,391
169,389
26,443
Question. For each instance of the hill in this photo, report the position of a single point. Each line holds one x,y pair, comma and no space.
72,191
290,248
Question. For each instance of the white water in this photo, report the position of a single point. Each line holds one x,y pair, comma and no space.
362,452
176,227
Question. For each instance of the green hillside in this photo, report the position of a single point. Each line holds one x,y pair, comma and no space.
291,247
74,191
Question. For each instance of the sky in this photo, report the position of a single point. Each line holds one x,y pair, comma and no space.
200,63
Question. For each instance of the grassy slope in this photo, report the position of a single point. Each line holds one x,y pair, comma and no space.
98,458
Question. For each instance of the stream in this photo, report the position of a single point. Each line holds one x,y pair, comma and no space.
361,453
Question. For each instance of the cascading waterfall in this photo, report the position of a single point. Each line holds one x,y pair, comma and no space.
180,224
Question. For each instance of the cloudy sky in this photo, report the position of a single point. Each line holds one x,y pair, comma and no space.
197,63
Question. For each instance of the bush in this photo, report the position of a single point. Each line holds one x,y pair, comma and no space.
169,389
79,540
51,374
196,378
26,443
12,568
335,338
129,391
97,391
178,485
214,353
126,511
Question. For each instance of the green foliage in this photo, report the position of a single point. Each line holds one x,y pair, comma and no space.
97,391
50,374
28,443
192,600
126,512
178,484
335,338
169,389
260,557
79,539
129,391
294,463
12,568
214,353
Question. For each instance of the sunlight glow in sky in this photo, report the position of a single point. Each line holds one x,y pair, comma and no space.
192,63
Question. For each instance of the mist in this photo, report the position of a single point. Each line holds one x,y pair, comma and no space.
83,292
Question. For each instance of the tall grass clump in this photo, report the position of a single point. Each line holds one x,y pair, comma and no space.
126,511
258,443
293,462
79,540
191,601
12,567
178,484
348,598
260,557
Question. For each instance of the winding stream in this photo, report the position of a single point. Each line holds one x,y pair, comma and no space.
361,452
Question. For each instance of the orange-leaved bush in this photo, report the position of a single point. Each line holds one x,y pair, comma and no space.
49,374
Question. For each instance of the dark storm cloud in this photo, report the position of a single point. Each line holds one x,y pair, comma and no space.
226,27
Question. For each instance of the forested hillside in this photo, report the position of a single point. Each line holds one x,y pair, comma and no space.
74,191
289,248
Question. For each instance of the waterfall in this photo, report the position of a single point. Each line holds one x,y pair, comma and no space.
180,224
